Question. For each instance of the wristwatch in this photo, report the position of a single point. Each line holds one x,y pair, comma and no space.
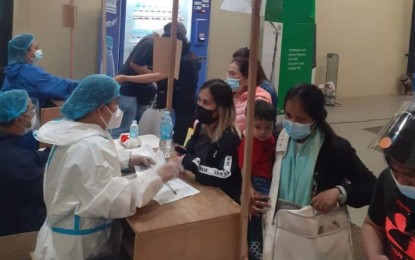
341,199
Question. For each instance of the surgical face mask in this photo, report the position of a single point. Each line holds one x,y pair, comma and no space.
296,131
233,83
38,55
115,120
205,116
32,126
408,191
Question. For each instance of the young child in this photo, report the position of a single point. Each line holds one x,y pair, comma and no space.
263,155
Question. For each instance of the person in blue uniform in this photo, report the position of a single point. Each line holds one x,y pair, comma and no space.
21,171
22,72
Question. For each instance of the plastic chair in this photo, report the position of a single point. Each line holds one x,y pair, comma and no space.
150,122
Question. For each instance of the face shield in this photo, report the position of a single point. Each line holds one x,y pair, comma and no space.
397,138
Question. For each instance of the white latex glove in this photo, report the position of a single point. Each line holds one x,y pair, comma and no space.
170,171
140,160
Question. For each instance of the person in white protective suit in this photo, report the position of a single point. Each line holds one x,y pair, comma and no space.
83,189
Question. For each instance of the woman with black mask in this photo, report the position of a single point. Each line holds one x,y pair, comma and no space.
211,153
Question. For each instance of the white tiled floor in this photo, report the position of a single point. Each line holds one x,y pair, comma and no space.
350,120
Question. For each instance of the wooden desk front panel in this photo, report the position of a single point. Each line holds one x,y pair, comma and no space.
203,226
210,240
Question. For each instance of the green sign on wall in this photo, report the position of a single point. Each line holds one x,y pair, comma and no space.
297,52
298,40
290,11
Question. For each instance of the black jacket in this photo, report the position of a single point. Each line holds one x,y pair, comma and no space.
338,161
21,186
220,168
184,88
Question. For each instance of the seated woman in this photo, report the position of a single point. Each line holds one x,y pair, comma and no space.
211,153
318,167
262,80
21,171
238,80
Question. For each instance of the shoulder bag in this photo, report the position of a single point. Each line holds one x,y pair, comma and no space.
303,233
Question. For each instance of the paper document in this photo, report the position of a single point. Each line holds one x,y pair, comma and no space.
174,190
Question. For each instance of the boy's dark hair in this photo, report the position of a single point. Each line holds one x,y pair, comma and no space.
265,111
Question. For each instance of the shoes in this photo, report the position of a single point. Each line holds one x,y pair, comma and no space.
407,84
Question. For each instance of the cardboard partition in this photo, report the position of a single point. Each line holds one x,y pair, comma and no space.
161,56
46,115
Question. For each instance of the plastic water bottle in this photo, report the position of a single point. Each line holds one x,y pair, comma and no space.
134,131
166,134
110,71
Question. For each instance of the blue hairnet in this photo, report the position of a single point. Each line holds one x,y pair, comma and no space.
13,103
91,92
18,47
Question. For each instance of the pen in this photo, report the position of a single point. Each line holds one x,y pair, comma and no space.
171,189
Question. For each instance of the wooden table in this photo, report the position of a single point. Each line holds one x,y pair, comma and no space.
203,226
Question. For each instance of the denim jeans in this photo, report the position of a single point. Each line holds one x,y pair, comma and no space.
261,185
255,243
133,110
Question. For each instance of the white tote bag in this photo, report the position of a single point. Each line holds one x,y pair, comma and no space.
307,234
303,233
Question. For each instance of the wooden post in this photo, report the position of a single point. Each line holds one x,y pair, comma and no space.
246,171
72,41
69,13
173,35
103,36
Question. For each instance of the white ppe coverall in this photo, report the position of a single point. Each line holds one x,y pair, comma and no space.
84,191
